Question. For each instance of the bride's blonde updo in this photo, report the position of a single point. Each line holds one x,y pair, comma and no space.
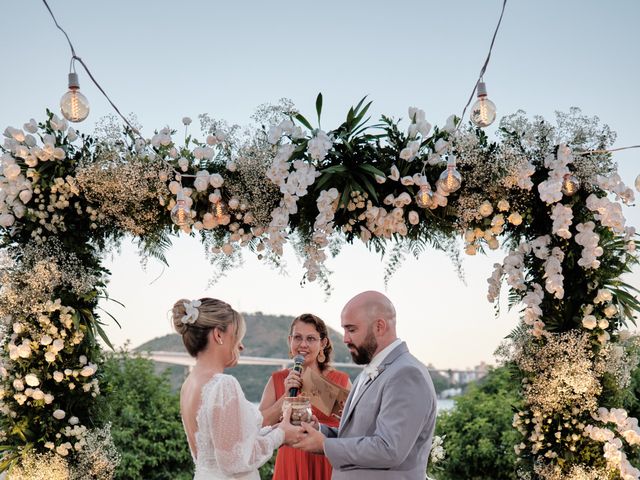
194,322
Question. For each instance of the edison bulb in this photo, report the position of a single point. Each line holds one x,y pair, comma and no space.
424,197
450,180
73,104
219,209
570,185
483,112
180,213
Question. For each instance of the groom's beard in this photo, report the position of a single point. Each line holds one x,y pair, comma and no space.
364,353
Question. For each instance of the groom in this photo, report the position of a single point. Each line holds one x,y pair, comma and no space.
388,420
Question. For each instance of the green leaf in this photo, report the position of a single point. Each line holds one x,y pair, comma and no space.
319,106
371,169
303,121
104,336
334,169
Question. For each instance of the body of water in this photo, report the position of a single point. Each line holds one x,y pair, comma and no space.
445,404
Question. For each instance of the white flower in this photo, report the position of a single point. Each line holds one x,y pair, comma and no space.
186,121
59,414
31,380
192,312
503,205
370,372
6,220
590,322
395,173
414,218
515,218
74,420
202,181
485,209
216,180
319,145
183,163
88,370
58,376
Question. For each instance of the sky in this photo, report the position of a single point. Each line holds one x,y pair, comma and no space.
164,60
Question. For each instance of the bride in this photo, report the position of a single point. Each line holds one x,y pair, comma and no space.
223,428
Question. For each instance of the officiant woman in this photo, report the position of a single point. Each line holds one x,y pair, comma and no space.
308,336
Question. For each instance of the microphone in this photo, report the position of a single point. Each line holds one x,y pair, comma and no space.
298,360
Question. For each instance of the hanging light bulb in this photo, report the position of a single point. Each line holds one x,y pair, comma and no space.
570,185
450,180
219,210
180,213
74,105
483,112
424,197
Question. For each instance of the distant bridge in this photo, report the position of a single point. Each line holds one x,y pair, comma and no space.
186,360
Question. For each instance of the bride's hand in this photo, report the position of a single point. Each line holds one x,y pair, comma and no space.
292,434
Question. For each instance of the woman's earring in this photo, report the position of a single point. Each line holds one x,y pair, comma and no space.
321,357
220,342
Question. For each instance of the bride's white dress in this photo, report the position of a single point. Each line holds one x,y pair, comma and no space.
230,441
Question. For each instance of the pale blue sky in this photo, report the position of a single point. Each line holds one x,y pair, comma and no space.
164,60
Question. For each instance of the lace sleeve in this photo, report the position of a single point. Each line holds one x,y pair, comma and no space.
238,443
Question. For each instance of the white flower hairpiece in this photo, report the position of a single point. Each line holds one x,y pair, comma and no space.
192,312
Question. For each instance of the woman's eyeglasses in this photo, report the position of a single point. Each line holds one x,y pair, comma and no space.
310,339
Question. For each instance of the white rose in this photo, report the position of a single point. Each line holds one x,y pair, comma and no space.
45,340
7,220
485,209
25,196
610,310
74,420
174,187
589,322
58,376
88,370
216,180
414,218
471,249
59,414
603,323
515,219
38,394
31,380
50,356
503,205
183,163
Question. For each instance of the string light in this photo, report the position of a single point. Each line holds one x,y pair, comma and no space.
424,197
484,67
570,185
450,180
483,112
73,104
180,213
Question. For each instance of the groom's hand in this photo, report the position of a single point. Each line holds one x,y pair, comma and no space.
313,441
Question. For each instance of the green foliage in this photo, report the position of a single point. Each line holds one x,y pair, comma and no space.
479,436
145,417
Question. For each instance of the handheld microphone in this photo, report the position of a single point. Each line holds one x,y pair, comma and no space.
298,360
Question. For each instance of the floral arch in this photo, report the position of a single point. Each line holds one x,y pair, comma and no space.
550,195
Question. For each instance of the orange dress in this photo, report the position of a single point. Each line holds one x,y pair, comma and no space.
293,464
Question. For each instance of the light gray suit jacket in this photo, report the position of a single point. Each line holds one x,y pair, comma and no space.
386,432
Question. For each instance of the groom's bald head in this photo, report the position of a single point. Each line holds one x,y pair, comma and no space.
369,321
372,305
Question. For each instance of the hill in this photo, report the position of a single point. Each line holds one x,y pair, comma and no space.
266,337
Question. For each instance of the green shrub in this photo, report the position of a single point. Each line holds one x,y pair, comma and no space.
145,417
479,436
